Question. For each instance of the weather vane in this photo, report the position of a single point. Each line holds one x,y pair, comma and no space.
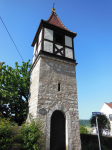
53,9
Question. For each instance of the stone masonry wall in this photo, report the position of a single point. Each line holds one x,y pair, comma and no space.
46,75
34,84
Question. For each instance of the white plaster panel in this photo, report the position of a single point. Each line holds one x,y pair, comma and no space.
39,47
68,41
33,59
48,46
68,53
39,43
48,34
59,47
34,48
40,36
34,53
59,54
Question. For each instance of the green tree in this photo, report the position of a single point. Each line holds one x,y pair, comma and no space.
14,91
83,129
84,122
103,123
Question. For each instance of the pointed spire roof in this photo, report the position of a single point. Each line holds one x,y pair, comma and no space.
54,20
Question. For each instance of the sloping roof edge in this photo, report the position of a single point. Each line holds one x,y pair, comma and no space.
53,19
36,33
110,105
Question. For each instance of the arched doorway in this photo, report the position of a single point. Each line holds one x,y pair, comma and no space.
57,131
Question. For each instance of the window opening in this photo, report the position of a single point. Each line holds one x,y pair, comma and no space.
110,117
58,86
59,39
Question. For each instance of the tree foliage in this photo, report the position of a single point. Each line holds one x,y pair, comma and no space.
6,133
103,123
14,90
83,130
84,122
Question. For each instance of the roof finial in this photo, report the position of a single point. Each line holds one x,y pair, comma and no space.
53,9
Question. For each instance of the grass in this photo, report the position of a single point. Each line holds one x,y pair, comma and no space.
89,129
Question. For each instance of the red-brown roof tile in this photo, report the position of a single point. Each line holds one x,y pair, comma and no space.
110,105
54,20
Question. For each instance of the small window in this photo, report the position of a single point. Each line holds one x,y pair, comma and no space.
59,39
58,86
110,116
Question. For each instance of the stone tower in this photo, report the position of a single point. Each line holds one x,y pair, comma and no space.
53,89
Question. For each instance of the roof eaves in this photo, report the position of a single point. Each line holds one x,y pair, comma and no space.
75,34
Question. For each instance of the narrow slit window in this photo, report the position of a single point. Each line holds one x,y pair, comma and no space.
58,86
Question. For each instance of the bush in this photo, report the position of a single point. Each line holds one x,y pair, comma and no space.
94,147
17,135
83,129
89,141
6,133
32,135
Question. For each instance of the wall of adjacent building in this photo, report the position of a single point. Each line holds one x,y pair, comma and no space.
105,109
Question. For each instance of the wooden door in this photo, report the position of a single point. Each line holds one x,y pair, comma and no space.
57,132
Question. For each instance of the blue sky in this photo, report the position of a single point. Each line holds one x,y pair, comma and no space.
90,19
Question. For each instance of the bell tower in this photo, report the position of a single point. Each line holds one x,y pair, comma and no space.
53,89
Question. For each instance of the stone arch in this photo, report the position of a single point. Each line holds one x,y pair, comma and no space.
68,125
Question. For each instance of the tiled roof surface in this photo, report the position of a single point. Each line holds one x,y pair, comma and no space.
54,19
109,104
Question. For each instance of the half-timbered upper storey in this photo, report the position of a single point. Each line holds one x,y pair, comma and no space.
53,37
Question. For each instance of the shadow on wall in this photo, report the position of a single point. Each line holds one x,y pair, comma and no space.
58,67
